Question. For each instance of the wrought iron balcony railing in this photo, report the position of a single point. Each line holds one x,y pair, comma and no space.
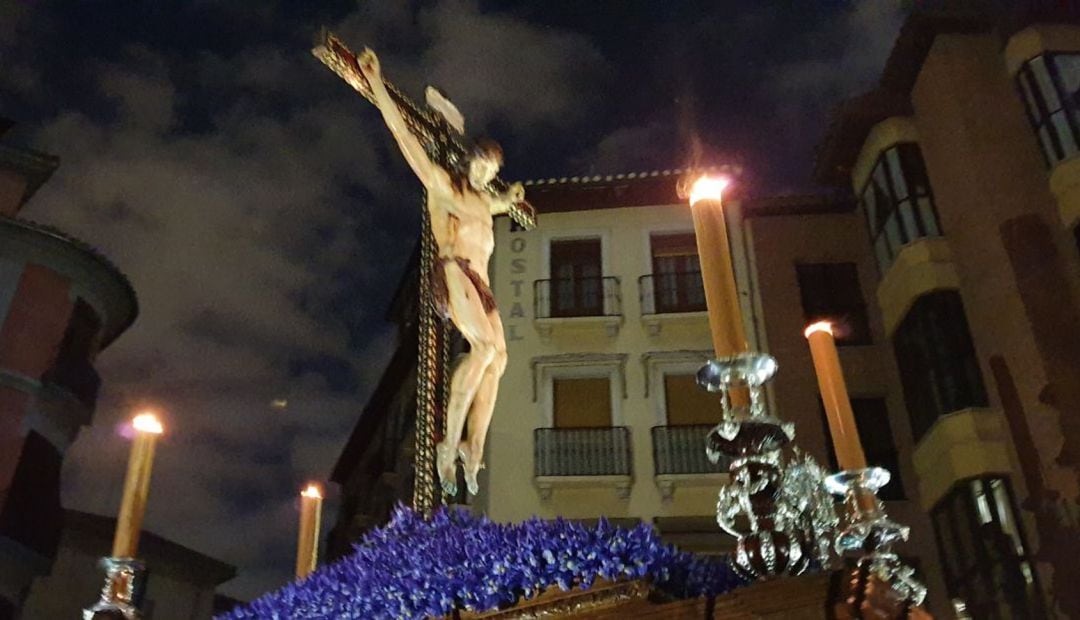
679,450
583,452
577,297
665,293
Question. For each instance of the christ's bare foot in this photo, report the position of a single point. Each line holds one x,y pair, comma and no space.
446,463
471,467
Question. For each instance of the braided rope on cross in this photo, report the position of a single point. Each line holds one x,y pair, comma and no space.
462,192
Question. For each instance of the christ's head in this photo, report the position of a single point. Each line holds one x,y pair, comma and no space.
487,157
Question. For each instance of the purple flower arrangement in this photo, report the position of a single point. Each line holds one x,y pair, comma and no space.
416,568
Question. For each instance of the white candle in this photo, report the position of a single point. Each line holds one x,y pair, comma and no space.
834,395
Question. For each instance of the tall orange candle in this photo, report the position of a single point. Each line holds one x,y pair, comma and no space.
136,485
834,395
717,271
307,546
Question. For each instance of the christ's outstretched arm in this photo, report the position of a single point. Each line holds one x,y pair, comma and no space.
429,173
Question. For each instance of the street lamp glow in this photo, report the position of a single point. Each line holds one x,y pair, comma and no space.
708,188
312,490
147,423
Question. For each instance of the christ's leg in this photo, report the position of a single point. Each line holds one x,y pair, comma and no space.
467,313
482,407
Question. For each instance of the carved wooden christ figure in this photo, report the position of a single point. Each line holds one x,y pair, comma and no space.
461,211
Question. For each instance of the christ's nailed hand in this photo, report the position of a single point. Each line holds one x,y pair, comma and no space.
516,193
369,63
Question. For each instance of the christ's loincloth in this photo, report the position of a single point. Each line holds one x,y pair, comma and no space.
440,294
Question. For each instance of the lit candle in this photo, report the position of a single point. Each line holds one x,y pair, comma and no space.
136,485
845,434
717,272
307,546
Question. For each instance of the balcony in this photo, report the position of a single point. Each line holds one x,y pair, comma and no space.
578,304
672,298
583,457
679,459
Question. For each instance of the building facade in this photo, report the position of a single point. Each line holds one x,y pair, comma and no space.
606,326
61,304
964,165
948,250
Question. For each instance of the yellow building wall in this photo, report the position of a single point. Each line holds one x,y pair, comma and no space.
985,168
520,259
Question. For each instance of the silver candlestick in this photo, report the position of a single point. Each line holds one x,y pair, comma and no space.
777,511
122,594
870,532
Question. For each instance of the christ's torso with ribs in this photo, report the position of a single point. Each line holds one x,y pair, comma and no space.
462,226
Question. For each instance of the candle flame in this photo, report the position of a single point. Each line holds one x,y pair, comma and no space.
820,326
312,490
708,188
147,423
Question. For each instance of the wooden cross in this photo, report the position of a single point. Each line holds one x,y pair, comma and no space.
447,147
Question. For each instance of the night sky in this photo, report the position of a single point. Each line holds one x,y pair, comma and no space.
264,216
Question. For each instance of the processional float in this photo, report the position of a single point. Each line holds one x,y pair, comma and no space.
777,504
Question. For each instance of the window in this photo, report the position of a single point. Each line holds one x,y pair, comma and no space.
983,552
676,273
576,278
831,291
582,438
875,433
897,202
687,404
581,402
936,359
1050,87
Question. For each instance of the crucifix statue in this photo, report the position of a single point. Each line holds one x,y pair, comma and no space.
463,194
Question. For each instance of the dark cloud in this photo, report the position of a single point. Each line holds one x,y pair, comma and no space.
494,67
843,57
628,149
498,65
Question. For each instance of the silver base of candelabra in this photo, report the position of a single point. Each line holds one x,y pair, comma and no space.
121,596
777,509
870,532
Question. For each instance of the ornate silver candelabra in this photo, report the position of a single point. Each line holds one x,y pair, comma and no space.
778,506
777,510
121,596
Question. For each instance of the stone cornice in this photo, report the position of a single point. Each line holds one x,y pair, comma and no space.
34,166
111,291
